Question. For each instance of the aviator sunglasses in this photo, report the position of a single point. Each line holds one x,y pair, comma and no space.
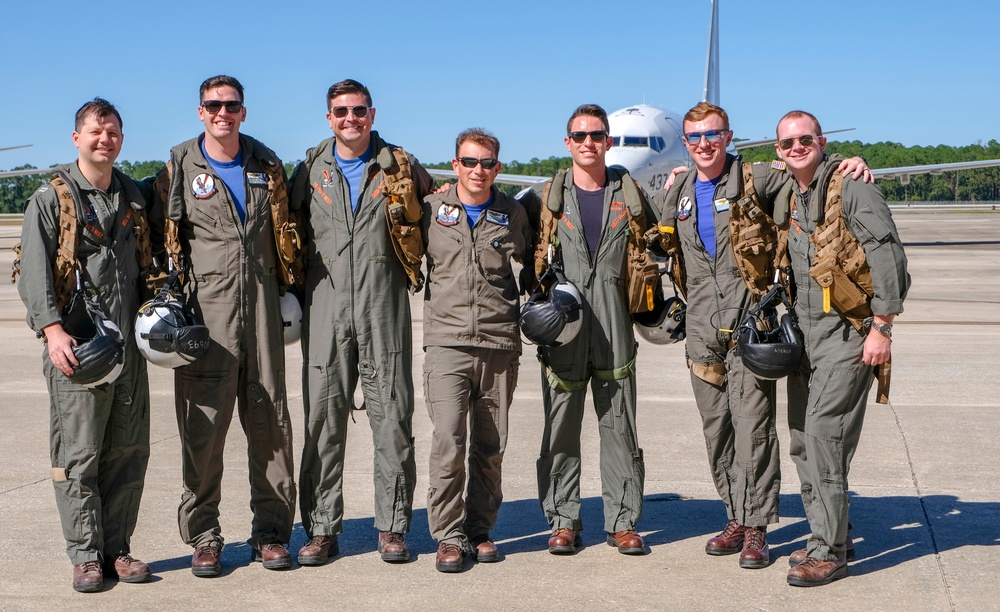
805,141
214,106
709,135
598,135
472,162
341,111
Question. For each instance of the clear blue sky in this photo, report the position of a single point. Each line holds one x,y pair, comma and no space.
896,70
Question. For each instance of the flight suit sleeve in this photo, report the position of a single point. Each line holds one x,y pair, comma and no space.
298,188
423,181
768,179
39,242
149,188
869,219
531,201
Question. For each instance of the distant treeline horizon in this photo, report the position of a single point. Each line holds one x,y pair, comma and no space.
982,184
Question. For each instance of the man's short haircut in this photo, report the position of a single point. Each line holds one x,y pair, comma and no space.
348,86
590,110
798,114
701,110
100,108
481,137
220,81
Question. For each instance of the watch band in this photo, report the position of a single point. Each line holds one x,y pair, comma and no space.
883,328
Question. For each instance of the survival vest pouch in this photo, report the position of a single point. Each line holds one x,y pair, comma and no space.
642,272
754,238
65,268
403,212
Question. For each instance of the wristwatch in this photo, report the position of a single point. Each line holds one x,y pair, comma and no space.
883,328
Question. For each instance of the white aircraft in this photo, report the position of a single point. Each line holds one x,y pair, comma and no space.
647,140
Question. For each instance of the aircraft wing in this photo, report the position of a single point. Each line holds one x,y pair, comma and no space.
9,173
507,179
746,144
12,148
903,174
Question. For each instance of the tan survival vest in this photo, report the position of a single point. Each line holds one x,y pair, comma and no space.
642,272
286,223
66,264
840,266
753,236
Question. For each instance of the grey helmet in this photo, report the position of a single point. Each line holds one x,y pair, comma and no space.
665,324
100,349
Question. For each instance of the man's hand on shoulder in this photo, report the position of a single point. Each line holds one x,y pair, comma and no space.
673,176
856,168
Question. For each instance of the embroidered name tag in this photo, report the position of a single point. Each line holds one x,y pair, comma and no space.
256,178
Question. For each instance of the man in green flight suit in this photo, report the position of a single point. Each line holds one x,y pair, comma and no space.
828,392
592,232
219,207
472,345
356,319
98,477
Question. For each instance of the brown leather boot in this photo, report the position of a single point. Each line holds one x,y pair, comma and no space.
205,560
564,541
813,572
128,569
88,577
449,558
799,555
392,547
628,542
755,553
728,542
318,550
274,556
484,550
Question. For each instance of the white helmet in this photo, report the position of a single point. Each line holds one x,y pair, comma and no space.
291,317
555,318
168,333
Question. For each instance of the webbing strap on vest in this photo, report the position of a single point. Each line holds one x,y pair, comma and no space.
171,228
403,212
548,220
569,386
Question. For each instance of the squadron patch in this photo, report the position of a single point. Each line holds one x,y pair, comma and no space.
203,186
684,208
497,218
722,205
448,215
256,178
778,165
327,180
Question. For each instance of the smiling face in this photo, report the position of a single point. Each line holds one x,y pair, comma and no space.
474,183
801,160
99,140
352,131
708,157
222,126
589,153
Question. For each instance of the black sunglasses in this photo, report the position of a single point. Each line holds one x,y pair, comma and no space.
598,135
214,106
805,141
341,111
472,162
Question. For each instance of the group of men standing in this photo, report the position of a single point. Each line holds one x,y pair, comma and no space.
369,215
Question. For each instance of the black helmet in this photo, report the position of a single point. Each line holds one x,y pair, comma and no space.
555,318
100,349
167,332
665,323
769,348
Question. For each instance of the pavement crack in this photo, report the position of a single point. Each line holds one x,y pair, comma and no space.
923,506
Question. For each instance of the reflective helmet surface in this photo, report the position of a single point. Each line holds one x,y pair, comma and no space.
770,354
665,324
168,333
102,357
291,317
553,319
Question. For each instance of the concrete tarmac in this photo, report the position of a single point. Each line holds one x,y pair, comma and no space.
925,501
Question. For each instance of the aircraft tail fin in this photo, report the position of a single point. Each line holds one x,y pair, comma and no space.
711,92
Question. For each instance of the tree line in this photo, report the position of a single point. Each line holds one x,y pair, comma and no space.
981,184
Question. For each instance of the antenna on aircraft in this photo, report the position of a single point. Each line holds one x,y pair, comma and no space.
711,92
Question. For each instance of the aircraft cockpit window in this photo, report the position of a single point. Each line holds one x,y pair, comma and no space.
616,141
662,143
656,143
635,141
